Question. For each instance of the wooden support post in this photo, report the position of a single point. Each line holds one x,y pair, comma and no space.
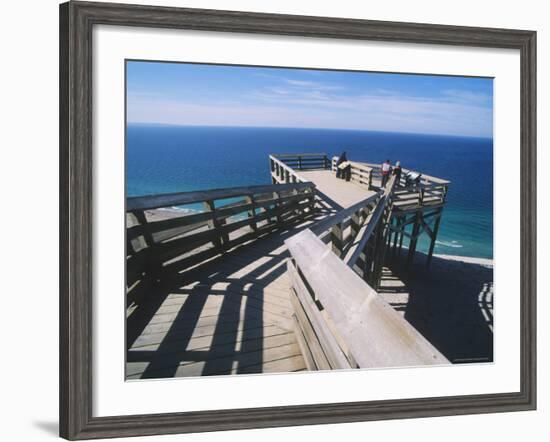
147,242
337,239
378,245
396,235
403,226
355,224
287,176
367,261
434,237
299,162
214,223
140,217
311,194
252,212
414,238
278,219
421,196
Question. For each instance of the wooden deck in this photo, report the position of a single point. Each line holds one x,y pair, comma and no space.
210,294
343,193
231,315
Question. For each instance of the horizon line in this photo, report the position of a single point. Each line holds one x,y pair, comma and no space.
485,137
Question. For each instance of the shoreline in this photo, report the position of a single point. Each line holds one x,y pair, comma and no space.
485,262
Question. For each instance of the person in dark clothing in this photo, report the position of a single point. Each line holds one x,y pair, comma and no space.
341,159
397,172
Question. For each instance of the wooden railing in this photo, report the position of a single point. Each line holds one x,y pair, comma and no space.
359,233
424,194
284,167
360,172
429,191
230,217
342,229
340,321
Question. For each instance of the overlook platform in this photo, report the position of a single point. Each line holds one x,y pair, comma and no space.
278,278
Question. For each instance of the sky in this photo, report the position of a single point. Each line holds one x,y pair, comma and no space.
224,95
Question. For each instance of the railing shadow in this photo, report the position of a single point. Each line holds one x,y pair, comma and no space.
212,317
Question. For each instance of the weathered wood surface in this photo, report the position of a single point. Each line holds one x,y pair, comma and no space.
184,239
345,193
182,198
375,334
212,313
228,316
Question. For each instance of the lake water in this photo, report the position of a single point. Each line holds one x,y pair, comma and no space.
161,159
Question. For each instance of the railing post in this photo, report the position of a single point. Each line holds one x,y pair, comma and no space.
277,195
337,239
370,180
299,162
355,223
287,176
252,212
312,199
214,224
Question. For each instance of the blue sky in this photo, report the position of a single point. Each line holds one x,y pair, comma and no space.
195,94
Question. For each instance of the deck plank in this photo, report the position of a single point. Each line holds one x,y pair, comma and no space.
345,193
231,315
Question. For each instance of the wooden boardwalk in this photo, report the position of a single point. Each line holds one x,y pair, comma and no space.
343,193
209,292
230,315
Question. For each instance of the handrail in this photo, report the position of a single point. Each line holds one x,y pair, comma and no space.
383,205
428,178
435,188
181,198
326,223
184,239
350,324
360,173
294,155
282,173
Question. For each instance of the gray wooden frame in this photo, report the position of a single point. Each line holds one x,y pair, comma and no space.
76,23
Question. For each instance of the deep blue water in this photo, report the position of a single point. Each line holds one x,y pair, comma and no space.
162,159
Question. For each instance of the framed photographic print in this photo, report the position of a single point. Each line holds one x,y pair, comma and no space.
272,220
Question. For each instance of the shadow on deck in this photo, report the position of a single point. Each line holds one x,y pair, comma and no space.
230,315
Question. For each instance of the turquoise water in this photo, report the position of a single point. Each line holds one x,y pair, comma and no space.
162,159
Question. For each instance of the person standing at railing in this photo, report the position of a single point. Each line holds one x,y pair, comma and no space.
341,159
386,170
397,172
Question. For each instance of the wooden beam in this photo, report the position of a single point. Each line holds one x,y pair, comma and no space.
434,238
376,335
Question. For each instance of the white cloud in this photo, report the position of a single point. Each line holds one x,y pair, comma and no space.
314,85
467,96
317,110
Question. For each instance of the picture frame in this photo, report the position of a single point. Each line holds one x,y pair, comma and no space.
77,20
